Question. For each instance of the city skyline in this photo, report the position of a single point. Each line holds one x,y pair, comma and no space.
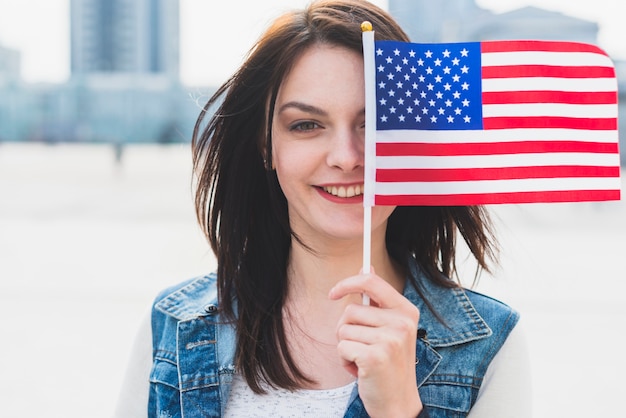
45,45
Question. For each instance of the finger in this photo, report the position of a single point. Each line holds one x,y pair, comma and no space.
374,286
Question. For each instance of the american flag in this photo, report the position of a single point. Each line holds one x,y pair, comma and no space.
494,122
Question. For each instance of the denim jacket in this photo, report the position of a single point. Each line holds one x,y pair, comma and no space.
193,350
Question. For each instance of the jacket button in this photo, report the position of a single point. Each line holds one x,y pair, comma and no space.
210,309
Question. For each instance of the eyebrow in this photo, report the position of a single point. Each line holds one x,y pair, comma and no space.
303,107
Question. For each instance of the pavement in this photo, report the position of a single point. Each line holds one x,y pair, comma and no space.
87,240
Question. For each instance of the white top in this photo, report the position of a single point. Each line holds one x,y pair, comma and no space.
505,392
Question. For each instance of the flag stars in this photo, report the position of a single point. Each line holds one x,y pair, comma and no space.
464,69
430,87
412,54
383,118
415,86
409,110
399,84
450,119
379,52
413,70
422,78
447,70
407,77
466,103
401,118
447,86
438,79
389,60
391,93
381,69
437,62
390,76
416,102
448,103
458,111
439,95
464,52
429,71
429,54
382,85
396,52
392,109
400,102
432,103
420,62
425,110
456,95
465,86
456,61
418,118
456,78
408,93
441,111
383,102
423,94
467,119
405,61
433,119
398,69
446,54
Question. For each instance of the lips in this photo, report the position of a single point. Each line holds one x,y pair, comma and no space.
344,191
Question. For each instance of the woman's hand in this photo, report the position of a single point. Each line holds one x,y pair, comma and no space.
377,345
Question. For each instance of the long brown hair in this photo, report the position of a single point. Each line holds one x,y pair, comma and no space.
243,211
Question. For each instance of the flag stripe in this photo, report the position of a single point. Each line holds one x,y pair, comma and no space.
550,122
490,148
547,96
529,45
551,109
499,186
559,59
503,160
462,199
549,84
499,173
508,71
510,135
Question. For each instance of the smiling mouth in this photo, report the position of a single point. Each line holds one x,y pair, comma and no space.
342,191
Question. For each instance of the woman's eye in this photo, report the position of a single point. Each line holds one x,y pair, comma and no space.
304,126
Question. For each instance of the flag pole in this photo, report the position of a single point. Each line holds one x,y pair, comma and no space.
370,138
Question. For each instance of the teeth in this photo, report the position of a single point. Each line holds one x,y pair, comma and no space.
342,191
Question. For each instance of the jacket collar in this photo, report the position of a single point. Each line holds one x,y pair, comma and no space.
462,323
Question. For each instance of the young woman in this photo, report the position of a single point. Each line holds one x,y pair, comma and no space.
280,329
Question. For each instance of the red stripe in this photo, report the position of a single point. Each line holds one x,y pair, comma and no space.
498,198
510,71
492,148
569,97
550,46
554,122
500,173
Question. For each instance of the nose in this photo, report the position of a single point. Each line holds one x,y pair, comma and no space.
347,150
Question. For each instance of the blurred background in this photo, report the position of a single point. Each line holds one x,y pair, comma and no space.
97,102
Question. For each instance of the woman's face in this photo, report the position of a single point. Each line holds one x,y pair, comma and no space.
318,144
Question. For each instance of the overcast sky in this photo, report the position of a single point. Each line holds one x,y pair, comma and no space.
215,35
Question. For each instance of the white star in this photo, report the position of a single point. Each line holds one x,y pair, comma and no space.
408,93
464,69
464,52
456,78
437,62
422,78
429,71
398,68
430,87
417,102
383,102
390,76
396,52
414,86
456,95
467,119
389,60
391,93
418,118
450,119
412,54
466,103
431,103
447,86
428,54
420,62
382,85
457,111
409,109
399,84
425,111
433,119
392,109
447,70
439,95
441,111
383,118
413,70
379,52
401,117
455,61
438,79
448,103
400,102
381,68
446,54
465,86
423,95
407,77
405,61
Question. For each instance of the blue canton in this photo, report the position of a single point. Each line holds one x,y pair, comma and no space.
428,86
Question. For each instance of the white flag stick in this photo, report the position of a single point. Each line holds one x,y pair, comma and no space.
370,146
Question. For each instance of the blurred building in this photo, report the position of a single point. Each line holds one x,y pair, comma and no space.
10,63
130,36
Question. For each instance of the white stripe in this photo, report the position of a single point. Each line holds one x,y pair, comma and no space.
549,84
506,160
550,109
498,186
499,135
572,59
